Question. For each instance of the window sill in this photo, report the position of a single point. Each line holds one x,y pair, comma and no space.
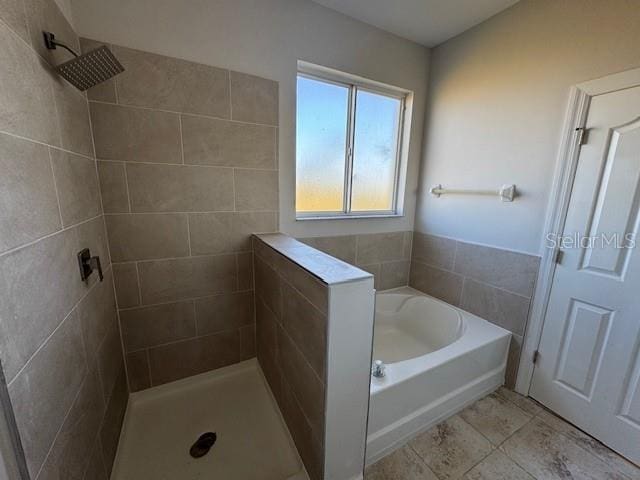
348,217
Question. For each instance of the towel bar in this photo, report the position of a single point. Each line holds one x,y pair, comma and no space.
507,193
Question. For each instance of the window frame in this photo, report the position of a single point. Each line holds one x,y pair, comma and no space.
355,84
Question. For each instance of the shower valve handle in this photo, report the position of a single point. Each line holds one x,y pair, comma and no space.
88,264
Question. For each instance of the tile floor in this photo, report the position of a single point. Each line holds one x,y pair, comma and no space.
503,436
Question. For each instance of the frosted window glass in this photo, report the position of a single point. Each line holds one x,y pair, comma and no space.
321,141
375,148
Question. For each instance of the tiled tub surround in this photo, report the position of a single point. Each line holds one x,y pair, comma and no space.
315,361
492,283
385,255
187,158
59,337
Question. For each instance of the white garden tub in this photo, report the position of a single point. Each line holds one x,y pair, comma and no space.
438,359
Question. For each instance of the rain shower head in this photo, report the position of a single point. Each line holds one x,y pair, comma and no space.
87,70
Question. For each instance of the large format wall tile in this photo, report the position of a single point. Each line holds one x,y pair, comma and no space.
13,14
511,271
73,118
169,280
125,279
45,390
147,236
383,247
342,247
27,193
135,134
44,15
254,99
112,424
156,81
77,185
190,357
224,312
174,188
438,252
150,326
438,283
27,108
225,232
256,190
138,370
209,141
113,186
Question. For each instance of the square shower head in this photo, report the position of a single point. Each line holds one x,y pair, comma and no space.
91,68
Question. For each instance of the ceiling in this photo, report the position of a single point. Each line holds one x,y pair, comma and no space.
428,22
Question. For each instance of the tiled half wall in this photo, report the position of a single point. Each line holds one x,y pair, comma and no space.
187,159
492,283
59,337
303,300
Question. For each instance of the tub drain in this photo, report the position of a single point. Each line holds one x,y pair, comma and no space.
203,444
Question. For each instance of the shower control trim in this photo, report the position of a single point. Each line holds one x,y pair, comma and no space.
88,264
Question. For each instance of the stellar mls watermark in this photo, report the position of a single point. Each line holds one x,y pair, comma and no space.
601,241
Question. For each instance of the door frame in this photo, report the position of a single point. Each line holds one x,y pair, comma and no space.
564,174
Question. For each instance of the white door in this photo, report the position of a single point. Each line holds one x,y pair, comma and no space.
588,366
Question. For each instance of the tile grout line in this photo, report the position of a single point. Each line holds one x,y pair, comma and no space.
126,184
148,357
181,138
139,285
55,187
182,300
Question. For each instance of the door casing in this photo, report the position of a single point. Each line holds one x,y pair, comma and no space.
567,161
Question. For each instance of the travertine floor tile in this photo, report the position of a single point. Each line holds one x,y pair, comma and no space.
496,418
548,455
497,466
527,404
591,445
403,464
451,448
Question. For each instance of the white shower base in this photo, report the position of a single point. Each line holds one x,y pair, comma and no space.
162,423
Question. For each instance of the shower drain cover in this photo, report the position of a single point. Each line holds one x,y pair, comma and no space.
203,444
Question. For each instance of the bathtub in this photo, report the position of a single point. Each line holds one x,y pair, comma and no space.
437,360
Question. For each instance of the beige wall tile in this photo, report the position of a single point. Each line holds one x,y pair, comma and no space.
435,251
374,269
112,424
95,469
135,134
267,345
441,284
71,450
27,193
342,247
105,91
113,187
92,235
307,387
247,342
394,274
13,14
125,279
147,236
27,108
110,360
210,141
43,392
40,285
306,326
381,247
44,15
77,185
268,286
511,271
254,99
513,361
256,189
169,280
245,270
73,118
503,308
313,289
308,445
156,81
97,314
172,188
151,326
224,312
190,357
138,370
223,232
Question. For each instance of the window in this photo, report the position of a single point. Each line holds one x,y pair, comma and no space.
348,146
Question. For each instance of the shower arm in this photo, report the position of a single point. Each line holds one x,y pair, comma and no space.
51,44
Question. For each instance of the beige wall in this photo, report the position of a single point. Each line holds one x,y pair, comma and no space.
59,335
266,38
188,170
497,98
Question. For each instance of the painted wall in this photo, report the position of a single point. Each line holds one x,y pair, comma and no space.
497,99
266,38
